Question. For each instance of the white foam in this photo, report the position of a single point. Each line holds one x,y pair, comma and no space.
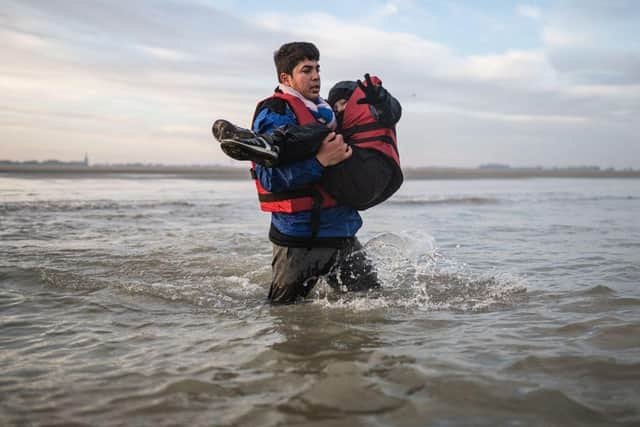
414,275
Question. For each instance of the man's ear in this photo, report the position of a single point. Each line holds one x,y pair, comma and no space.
285,79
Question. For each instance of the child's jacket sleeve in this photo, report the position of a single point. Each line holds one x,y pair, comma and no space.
289,176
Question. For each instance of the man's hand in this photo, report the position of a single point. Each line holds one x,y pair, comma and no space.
373,94
333,150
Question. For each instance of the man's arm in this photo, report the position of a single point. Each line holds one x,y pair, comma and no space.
333,150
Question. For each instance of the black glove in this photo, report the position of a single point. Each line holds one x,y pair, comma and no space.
373,94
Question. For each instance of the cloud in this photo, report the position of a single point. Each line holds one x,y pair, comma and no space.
126,62
555,37
529,11
154,74
594,42
164,54
386,10
525,91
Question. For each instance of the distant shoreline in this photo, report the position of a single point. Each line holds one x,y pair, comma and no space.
226,172
204,172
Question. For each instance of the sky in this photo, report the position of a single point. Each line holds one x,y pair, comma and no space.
532,83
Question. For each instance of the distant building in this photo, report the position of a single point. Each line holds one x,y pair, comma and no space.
494,166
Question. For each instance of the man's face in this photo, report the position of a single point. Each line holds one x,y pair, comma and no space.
305,78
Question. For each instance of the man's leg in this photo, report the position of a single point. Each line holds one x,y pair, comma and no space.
353,270
297,270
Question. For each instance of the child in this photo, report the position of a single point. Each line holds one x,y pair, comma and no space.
366,115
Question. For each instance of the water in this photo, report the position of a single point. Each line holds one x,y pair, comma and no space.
141,301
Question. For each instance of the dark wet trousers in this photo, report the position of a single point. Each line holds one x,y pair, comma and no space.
297,270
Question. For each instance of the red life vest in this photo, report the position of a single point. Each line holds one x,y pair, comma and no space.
360,127
303,199
367,182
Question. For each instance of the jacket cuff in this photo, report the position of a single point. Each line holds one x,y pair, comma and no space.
316,166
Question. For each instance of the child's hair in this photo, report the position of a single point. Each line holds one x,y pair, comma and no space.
291,54
341,90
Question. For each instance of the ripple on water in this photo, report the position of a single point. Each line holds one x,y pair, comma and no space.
414,276
11,298
598,290
607,369
618,337
457,400
601,301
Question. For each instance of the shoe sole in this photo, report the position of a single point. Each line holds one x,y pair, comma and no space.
236,150
223,129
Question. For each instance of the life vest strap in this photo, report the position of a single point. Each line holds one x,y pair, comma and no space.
316,209
310,192
347,133
382,138
302,199
286,195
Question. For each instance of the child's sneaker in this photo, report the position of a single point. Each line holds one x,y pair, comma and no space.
223,129
242,144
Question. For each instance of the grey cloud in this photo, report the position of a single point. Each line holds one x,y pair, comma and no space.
599,10
607,46
451,139
115,40
225,66
598,65
114,30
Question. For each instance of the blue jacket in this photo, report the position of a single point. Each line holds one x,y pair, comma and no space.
339,221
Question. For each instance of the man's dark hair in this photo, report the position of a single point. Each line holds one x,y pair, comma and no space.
291,54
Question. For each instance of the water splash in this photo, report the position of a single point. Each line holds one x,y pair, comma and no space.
415,275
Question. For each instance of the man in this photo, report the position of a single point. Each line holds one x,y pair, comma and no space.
312,234
366,113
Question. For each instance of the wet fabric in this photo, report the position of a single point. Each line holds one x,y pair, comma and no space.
297,270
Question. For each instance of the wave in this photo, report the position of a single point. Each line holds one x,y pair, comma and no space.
99,205
578,198
618,337
598,290
413,274
215,292
405,200
411,279
462,200
602,369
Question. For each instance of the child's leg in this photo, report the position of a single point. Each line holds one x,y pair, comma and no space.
242,144
285,145
299,142
362,180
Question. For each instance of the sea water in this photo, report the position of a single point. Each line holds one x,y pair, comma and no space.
141,300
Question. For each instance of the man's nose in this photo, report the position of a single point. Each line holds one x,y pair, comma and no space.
315,75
